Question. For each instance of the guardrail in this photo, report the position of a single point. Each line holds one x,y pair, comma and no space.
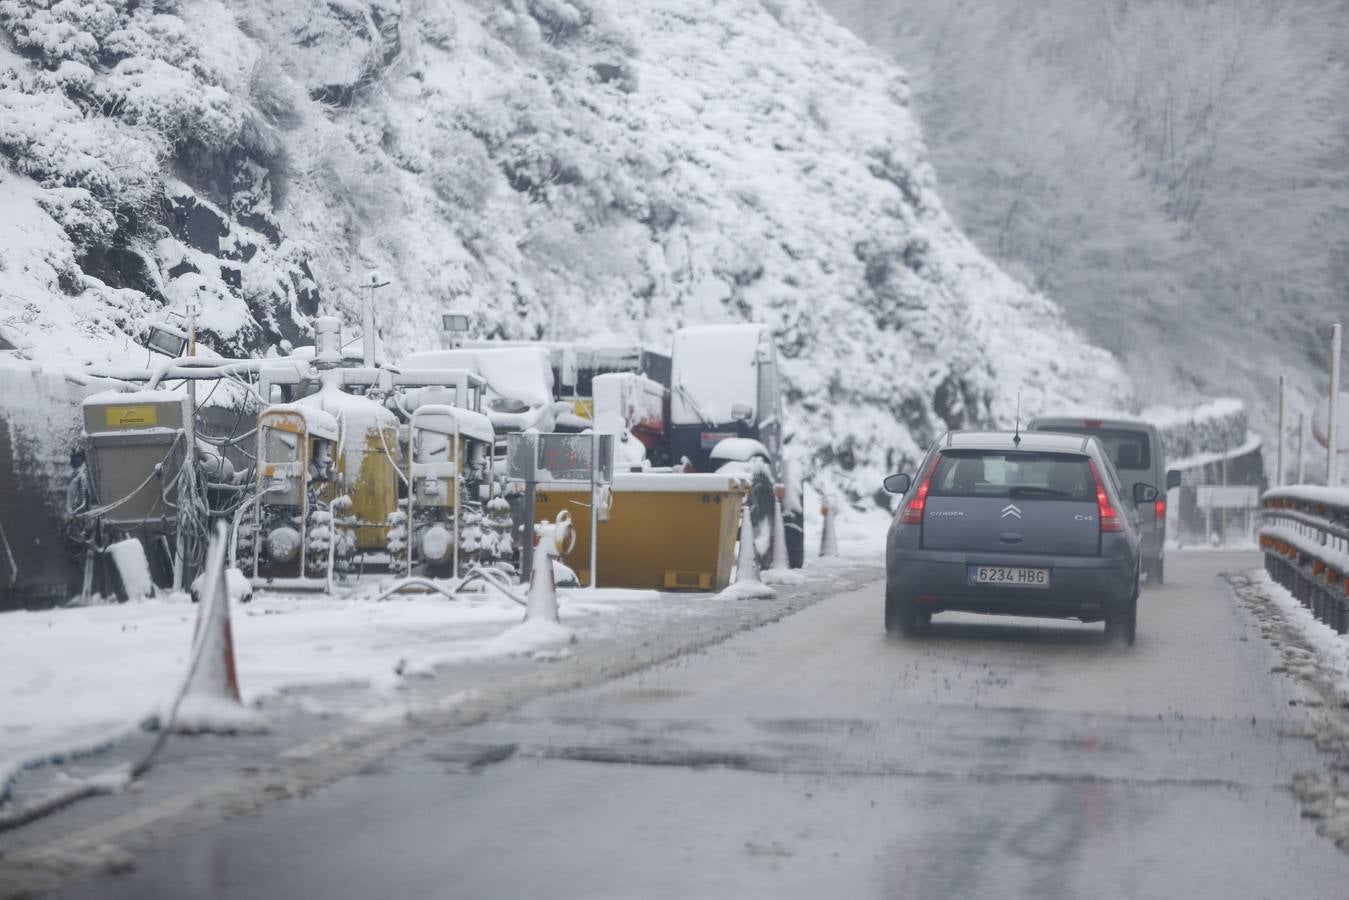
1305,538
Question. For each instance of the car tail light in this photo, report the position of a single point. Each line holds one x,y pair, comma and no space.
1161,510
1091,423
913,509
1110,520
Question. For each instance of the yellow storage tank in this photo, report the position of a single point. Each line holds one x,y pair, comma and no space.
666,531
367,461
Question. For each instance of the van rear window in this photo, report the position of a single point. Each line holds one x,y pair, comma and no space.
1013,475
1127,449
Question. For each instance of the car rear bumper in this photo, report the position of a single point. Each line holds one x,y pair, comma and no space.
1078,588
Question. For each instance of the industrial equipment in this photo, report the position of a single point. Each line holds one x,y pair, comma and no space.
451,515
297,527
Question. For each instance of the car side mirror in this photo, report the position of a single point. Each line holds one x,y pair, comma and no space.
1144,492
897,484
1172,479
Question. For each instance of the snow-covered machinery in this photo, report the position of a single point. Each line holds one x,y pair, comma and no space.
518,381
134,481
726,416
295,529
451,515
367,462
722,414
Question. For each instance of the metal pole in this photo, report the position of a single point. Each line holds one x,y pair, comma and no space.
454,486
1278,470
1301,436
368,322
189,454
594,509
1222,513
527,551
1332,448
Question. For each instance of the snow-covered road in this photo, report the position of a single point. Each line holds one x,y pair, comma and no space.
991,758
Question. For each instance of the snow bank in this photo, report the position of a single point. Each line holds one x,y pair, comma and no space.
1330,647
73,680
1310,494
1202,433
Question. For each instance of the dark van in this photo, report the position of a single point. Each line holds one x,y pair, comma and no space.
1138,454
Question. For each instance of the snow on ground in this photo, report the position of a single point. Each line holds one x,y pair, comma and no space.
1330,648
72,680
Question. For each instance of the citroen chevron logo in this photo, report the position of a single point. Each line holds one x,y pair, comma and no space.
1011,510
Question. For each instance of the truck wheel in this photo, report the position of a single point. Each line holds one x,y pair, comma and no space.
796,539
761,501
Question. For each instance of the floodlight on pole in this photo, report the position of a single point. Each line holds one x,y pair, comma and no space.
454,324
166,339
373,282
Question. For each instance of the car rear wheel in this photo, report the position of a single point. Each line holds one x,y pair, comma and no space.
1121,626
900,616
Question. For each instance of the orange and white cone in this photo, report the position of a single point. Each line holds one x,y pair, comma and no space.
551,540
747,584
780,560
541,600
828,542
210,700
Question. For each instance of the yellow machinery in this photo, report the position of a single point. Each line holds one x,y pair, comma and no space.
665,531
367,462
290,528
450,516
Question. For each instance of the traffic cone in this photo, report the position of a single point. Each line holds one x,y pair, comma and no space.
747,561
747,585
210,699
541,602
780,561
828,543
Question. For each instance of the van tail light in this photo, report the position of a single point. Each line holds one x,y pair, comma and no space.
1110,520
1161,510
913,509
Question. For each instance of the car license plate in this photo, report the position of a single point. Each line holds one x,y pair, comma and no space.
1009,576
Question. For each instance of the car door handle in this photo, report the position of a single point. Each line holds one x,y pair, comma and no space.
1010,537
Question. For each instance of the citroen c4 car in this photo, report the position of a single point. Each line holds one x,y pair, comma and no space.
1029,524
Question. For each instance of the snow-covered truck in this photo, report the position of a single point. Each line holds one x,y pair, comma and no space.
713,406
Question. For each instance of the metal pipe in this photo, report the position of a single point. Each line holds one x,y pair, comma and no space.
1301,437
1278,466
1332,447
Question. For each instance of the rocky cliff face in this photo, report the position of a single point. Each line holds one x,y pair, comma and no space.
583,169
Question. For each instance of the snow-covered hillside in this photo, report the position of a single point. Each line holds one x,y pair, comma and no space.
578,169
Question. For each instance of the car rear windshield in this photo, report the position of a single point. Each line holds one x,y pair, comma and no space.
1013,474
1127,449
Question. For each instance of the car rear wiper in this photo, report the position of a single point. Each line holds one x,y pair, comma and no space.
1031,490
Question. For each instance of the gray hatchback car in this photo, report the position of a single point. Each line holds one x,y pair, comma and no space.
1029,524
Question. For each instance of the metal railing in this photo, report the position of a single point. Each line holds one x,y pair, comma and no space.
1305,538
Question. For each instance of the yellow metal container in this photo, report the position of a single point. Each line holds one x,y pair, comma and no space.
667,532
367,461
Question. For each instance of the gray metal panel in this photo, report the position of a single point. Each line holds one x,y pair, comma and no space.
137,475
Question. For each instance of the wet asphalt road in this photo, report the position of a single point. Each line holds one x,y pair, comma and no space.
814,756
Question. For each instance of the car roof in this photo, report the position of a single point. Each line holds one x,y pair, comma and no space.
1049,423
1035,441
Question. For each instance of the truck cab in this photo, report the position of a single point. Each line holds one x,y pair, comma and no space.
726,409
